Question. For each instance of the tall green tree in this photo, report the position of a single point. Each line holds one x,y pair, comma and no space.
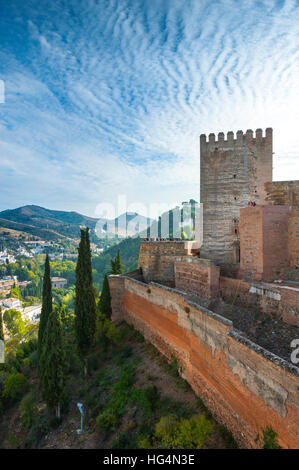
46,309
53,361
85,305
105,299
1,326
116,264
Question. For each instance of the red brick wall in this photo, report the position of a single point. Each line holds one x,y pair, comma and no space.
197,275
251,242
244,386
275,241
293,238
262,230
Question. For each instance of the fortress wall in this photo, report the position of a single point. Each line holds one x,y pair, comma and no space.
244,386
233,173
284,193
262,230
197,275
293,238
156,259
275,300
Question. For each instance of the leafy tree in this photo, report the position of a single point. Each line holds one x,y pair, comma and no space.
15,385
15,292
53,360
85,306
14,322
1,326
116,264
105,299
46,309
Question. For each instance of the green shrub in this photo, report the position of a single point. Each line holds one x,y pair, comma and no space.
146,397
191,433
33,358
55,422
201,405
106,420
270,439
124,441
40,427
12,440
15,386
93,362
28,410
144,442
227,436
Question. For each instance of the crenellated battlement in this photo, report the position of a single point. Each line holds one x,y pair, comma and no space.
239,137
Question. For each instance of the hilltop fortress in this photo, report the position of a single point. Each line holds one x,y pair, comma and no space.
229,310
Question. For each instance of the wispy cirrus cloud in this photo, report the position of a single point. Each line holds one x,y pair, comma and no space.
109,97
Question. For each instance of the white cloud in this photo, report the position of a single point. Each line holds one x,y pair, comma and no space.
112,97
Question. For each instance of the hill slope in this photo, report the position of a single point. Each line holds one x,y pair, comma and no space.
52,224
45,223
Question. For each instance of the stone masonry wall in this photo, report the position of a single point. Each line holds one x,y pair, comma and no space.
156,259
244,386
278,301
284,193
197,275
233,173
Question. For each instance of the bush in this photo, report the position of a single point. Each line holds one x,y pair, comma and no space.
270,439
40,427
191,433
123,441
227,436
15,386
144,443
28,410
146,397
106,420
33,358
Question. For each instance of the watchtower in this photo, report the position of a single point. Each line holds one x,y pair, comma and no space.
233,172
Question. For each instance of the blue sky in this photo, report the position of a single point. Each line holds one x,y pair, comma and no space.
109,97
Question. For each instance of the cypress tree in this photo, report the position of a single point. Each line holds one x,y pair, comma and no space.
105,299
116,264
85,306
1,326
119,265
46,309
113,268
53,360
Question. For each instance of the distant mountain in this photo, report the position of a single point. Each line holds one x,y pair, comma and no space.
129,224
52,224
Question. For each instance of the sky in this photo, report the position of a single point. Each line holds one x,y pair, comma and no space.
104,101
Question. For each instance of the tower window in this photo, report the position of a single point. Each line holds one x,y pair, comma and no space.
235,176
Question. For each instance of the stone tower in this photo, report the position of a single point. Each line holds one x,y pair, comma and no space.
233,172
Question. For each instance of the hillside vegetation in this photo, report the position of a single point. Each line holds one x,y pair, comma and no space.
132,397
